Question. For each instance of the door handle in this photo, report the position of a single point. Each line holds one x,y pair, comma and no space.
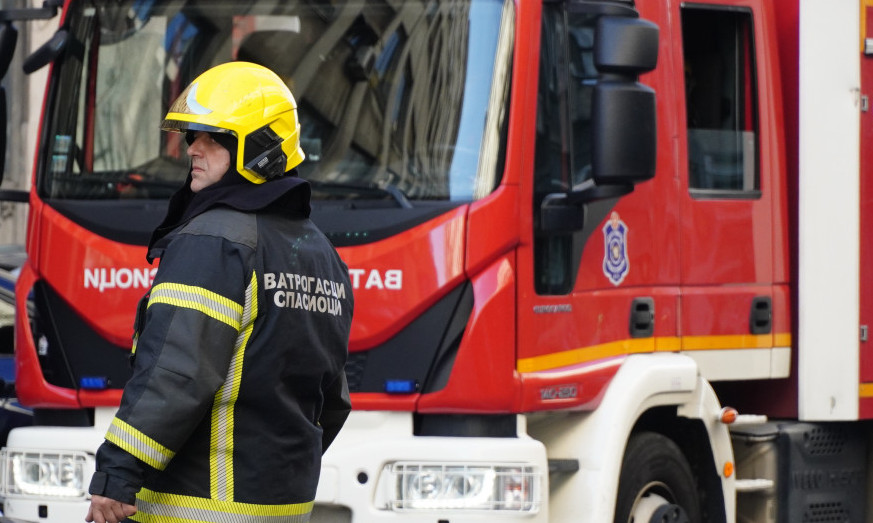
642,318
761,316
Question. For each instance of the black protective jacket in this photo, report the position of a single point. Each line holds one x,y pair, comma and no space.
238,384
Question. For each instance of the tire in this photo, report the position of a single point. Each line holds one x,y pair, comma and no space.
656,483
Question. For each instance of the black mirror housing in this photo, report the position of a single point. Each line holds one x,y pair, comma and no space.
47,52
4,120
623,111
8,39
624,144
558,214
627,46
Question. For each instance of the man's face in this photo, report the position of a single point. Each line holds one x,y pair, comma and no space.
209,161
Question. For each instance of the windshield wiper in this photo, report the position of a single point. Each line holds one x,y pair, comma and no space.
387,190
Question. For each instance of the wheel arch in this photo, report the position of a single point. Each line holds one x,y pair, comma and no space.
656,392
691,436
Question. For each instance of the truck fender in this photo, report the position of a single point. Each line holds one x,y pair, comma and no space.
597,439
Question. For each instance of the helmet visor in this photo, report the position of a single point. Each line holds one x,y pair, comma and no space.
180,126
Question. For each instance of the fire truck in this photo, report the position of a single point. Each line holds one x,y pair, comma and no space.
610,257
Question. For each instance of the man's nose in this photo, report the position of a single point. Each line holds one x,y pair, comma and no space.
194,148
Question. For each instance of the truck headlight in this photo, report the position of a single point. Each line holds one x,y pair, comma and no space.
463,486
45,473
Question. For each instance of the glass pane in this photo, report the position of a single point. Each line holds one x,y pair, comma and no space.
567,78
552,172
391,95
582,79
720,99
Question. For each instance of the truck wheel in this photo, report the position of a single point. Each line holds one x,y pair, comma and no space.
656,483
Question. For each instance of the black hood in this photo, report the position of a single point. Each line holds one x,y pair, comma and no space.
286,195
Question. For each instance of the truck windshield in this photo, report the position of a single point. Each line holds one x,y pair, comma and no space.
406,99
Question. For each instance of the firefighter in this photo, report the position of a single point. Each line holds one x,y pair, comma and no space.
239,347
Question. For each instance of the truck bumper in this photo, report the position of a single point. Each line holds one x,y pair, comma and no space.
359,479
57,511
358,482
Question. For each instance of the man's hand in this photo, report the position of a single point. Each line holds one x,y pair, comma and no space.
107,510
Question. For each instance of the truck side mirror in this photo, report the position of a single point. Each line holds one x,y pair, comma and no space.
9,35
623,129
623,124
4,118
7,195
625,46
623,113
47,52
8,38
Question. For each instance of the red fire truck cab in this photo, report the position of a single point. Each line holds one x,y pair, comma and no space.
583,235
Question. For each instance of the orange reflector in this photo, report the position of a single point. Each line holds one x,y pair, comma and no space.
728,415
728,469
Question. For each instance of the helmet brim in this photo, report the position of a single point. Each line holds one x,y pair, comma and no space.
181,126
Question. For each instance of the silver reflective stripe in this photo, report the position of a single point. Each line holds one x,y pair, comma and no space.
138,444
221,472
200,299
188,508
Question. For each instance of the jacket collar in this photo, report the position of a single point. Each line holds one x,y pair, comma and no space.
286,195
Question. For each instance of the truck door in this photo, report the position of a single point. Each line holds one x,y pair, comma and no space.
728,306
591,296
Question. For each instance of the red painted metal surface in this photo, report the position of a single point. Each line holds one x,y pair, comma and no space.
431,260
105,278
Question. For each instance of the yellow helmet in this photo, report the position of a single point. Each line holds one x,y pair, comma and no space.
251,103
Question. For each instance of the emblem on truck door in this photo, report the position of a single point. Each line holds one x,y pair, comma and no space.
615,262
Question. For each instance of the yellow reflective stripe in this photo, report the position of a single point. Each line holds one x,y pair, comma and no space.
221,440
160,507
734,341
584,354
138,444
782,339
209,303
602,351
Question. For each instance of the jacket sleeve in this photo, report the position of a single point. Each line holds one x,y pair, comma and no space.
335,410
193,319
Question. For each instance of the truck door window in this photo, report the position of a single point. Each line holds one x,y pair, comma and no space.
721,102
567,78
563,146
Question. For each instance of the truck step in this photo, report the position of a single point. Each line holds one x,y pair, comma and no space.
749,419
563,465
754,485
